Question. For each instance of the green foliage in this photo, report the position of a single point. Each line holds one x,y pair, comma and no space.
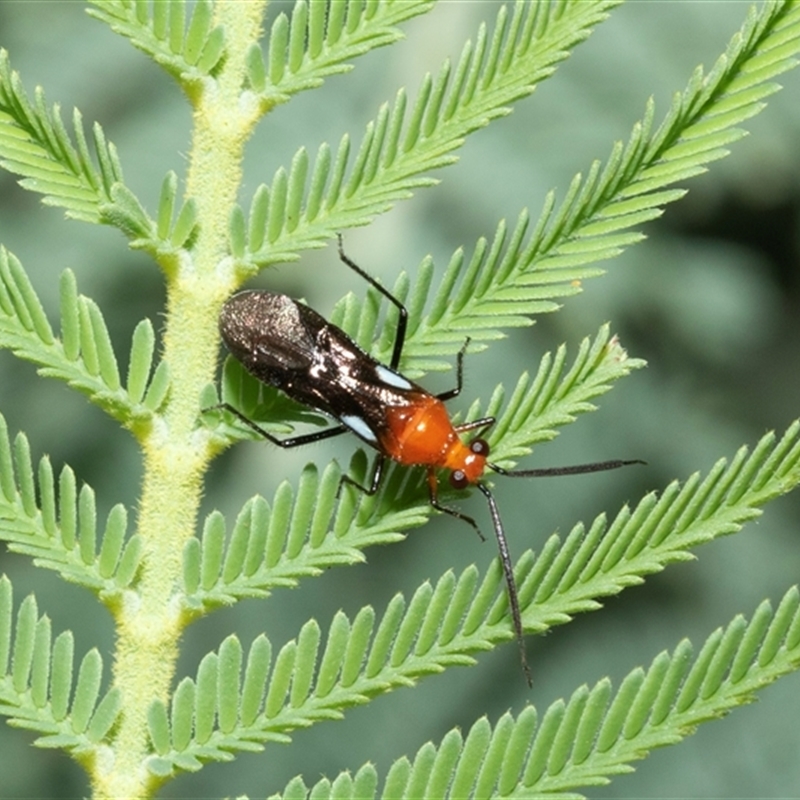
37,683
56,523
189,52
445,625
35,143
321,37
83,357
395,153
596,733
150,724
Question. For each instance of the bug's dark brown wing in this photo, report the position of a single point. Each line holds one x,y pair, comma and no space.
288,345
269,333
355,388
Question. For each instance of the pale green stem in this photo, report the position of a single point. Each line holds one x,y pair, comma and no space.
176,453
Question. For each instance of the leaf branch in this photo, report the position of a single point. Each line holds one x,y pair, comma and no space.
395,154
187,52
321,38
595,734
84,357
36,682
55,523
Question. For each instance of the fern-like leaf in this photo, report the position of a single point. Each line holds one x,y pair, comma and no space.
188,52
320,40
595,734
55,523
83,357
35,144
396,153
438,628
568,577
36,682
301,534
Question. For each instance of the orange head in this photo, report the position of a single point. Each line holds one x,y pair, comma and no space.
467,462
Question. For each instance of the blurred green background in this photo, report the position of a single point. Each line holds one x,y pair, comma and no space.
710,300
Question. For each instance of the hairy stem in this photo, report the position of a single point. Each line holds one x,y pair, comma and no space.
176,454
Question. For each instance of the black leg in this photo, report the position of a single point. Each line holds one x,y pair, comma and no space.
433,490
293,441
505,559
374,481
484,422
456,390
402,321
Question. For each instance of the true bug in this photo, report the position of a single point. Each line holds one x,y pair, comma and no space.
288,345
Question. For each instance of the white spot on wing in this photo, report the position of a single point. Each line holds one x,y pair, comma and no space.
359,427
392,378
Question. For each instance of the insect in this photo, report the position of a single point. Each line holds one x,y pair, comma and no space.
288,345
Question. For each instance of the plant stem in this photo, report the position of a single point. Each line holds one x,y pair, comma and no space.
176,453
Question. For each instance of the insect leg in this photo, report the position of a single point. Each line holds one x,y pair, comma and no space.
374,481
505,559
508,572
402,322
456,390
483,422
433,490
293,441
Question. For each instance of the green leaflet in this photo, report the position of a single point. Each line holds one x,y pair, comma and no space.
595,734
34,143
36,682
238,698
186,51
321,38
58,528
83,357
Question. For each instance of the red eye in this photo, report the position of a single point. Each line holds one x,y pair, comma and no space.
480,447
458,479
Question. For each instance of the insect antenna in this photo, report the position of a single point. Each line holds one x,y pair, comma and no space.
502,542
508,572
575,469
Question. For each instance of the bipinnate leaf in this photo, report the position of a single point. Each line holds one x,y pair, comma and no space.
84,356
239,701
189,52
35,144
596,734
55,523
36,682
